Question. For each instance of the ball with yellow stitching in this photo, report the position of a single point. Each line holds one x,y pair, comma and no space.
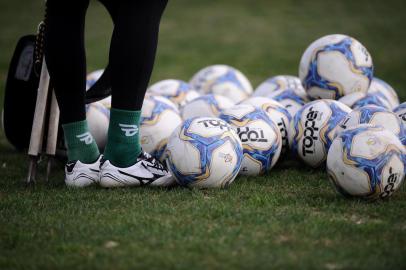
204,152
159,118
313,129
366,161
177,91
259,135
334,66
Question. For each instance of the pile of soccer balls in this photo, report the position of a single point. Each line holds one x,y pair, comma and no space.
335,114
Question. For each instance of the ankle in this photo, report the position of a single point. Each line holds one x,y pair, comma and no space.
123,142
80,142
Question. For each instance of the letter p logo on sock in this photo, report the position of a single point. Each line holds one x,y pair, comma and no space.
129,130
86,137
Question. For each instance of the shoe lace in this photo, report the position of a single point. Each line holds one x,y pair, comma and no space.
155,163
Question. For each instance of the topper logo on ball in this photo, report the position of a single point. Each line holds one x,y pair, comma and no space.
309,132
390,187
212,123
251,135
281,125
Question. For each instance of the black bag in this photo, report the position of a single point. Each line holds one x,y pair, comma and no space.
21,92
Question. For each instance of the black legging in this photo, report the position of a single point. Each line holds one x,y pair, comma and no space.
132,52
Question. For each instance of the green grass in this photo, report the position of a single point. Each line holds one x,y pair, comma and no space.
290,218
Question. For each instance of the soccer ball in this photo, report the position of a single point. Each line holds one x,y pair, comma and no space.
367,162
288,98
98,118
222,80
334,66
359,99
313,129
92,77
385,91
280,82
400,111
260,137
177,91
278,114
159,118
204,152
207,105
377,116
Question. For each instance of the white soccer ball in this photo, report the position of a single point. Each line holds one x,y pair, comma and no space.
280,82
385,91
92,77
204,152
98,118
177,91
222,80
366,161
207,105
359,99
377,116
278,114
159,118
260,138
334,66
400,111
288,98
313,129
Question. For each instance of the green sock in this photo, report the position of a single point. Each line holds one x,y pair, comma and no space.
123,139
80,143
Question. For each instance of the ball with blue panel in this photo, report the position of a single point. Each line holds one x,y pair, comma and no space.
177,91
384,91
289,99
280,82
204,152
159,118
376,116
359,99
334,66
367,162
207,105
314,128
278,114
222,80
259,135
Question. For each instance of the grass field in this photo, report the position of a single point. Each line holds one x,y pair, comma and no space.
290,218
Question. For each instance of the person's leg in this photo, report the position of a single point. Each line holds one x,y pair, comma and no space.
132,55
65,57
